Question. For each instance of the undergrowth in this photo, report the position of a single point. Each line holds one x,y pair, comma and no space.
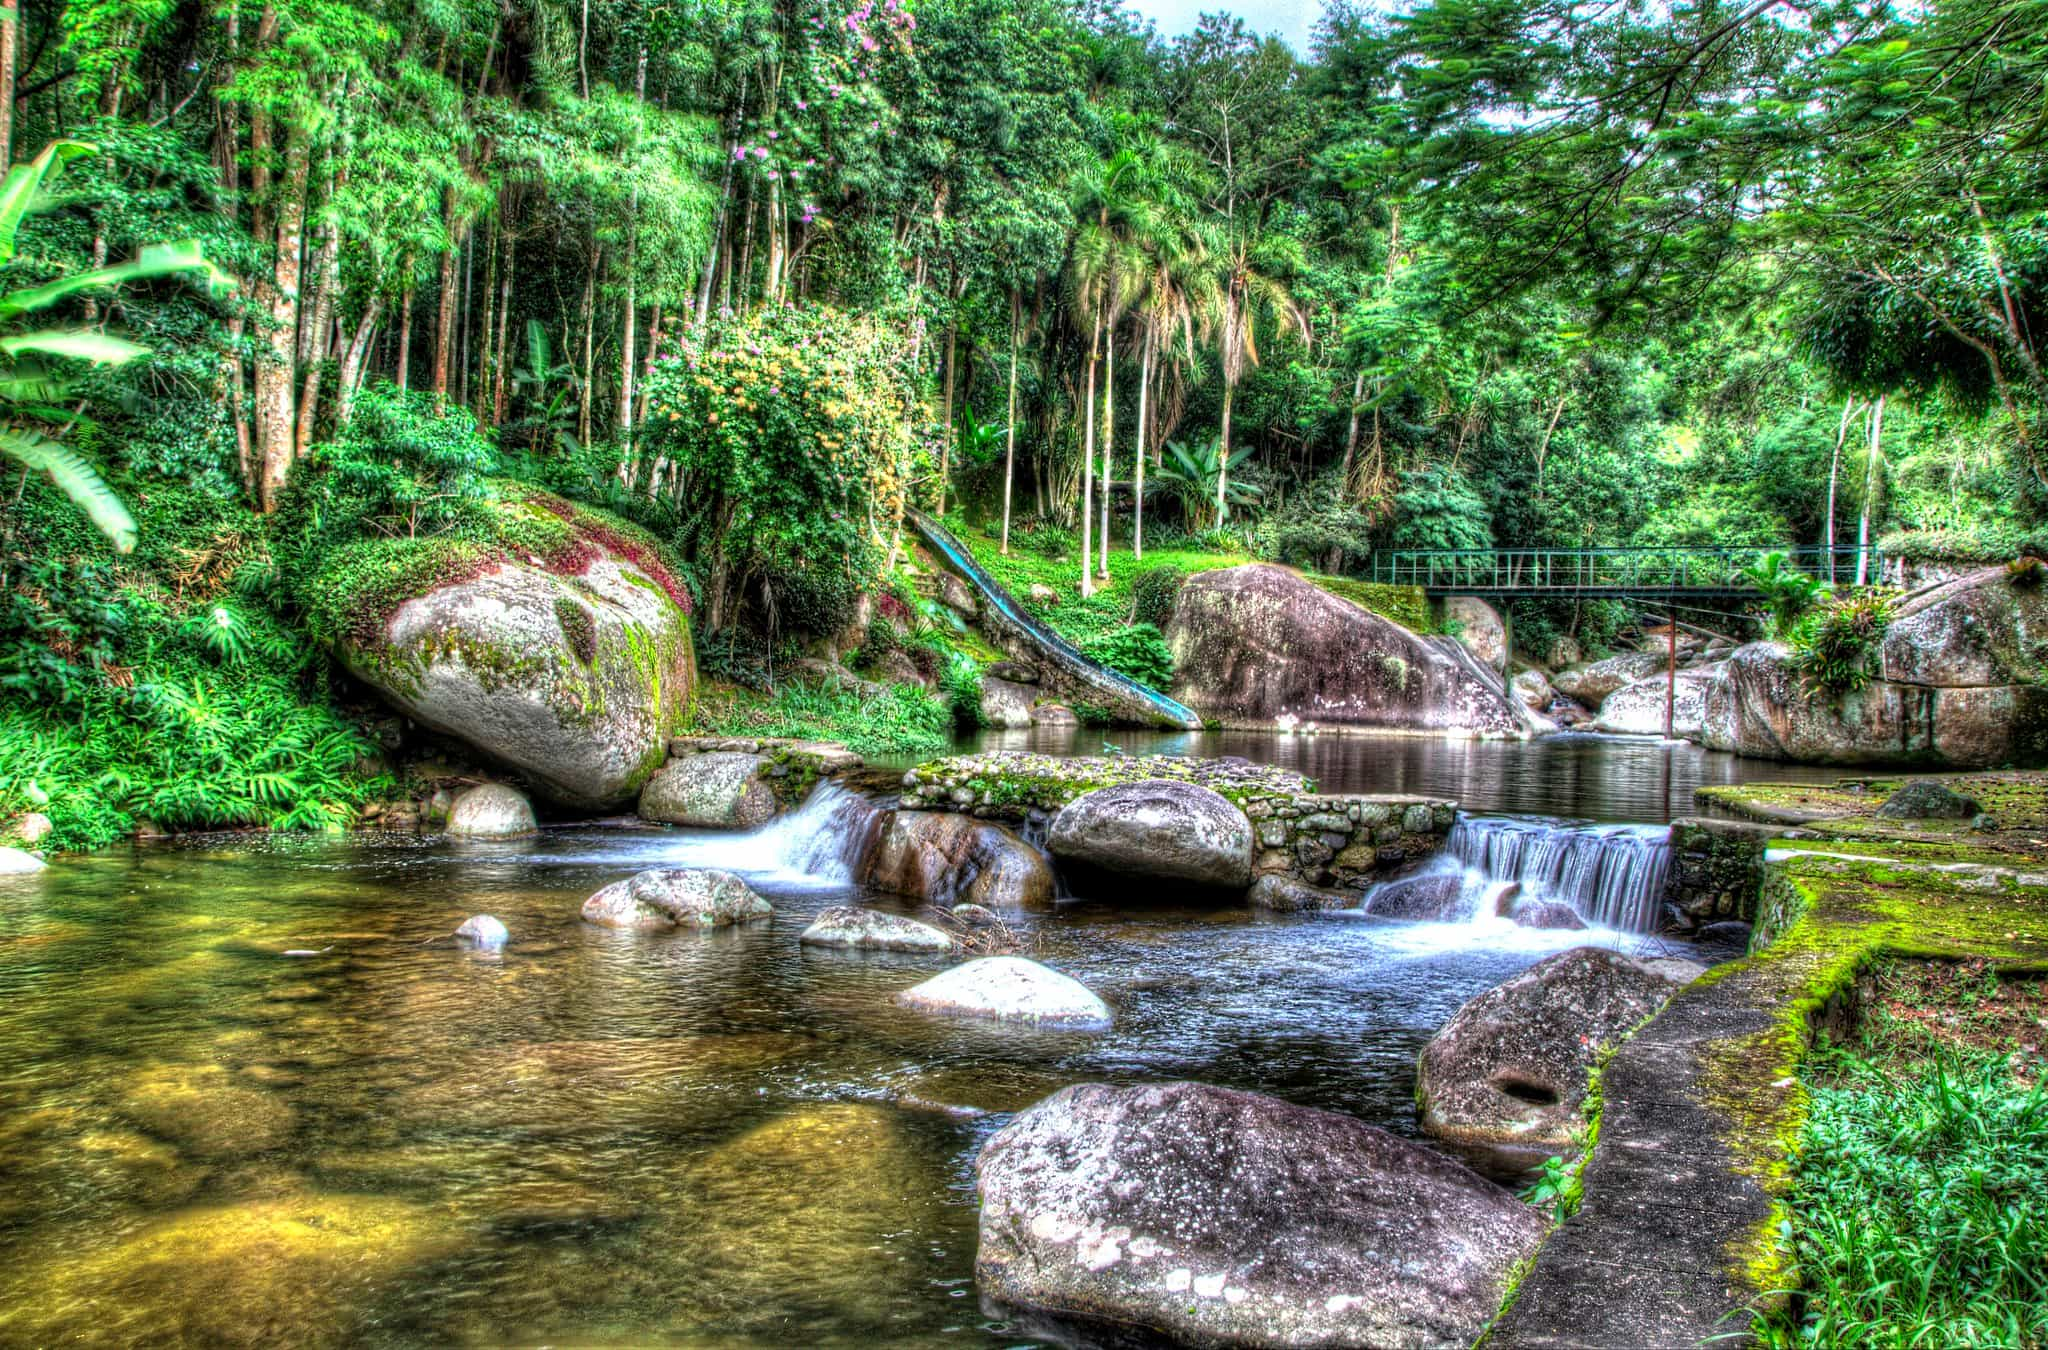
901,720
1919,1210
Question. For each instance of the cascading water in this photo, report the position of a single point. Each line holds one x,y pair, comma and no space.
818,844
1611,875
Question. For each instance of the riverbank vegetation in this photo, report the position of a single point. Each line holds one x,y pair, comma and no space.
757,278
1918,1209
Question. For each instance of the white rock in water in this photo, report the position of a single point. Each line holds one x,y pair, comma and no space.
874,930
1010,989
491,811
33,828
16,861
484,930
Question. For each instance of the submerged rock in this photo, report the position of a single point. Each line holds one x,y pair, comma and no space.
576,681
1508,1072
301,1270
683,897
1215,1217
873,930
1278,891
1546,914
1254,643
491,811
201,1110
1926,799
19,862
945,858
1426,897
484,930
1010,989
721,790
1159,829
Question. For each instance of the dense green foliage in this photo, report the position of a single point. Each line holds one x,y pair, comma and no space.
756,278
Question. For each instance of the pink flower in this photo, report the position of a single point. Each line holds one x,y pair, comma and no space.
760,152
774,135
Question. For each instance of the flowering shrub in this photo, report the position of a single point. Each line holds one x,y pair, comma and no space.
794,438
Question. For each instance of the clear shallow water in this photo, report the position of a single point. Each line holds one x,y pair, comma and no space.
1574,775
599,1138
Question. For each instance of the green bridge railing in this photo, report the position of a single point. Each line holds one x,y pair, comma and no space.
1566,571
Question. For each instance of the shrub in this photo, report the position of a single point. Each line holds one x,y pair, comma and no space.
1136,650
1786,591
1155,593
1834,648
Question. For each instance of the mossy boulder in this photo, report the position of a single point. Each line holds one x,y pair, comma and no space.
676,898
1255,643
1956,683
575,673
1156,830
1507,1074
719,790
1199,1215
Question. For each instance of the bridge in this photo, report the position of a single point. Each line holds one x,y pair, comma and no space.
1711,573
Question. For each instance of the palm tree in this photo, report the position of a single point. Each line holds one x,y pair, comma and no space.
1246,291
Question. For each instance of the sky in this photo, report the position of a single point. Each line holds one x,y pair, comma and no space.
1291,19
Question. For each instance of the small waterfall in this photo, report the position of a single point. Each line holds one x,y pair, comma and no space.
817,844
1613,875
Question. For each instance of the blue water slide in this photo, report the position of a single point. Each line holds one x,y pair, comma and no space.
1122,694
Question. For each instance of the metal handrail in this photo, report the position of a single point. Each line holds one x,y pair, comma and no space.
1711,567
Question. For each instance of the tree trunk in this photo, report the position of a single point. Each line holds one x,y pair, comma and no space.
1223,450
586,393
1010,423
1144,403
10,30
1108,442
404,359
355,359
1834,475
626,329
1088,457
722,225
313,336
946,413
444,321
1869,491
499,393
647,365
1351,436
278,302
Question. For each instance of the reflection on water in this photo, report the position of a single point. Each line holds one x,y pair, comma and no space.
593,1137
1579,775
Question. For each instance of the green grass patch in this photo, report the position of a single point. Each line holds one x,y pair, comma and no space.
1918,1213
900,720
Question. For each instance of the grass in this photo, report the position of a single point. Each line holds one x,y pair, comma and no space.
1083,620
1919,1205
902,720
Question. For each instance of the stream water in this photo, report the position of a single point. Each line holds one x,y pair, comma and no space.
249,1094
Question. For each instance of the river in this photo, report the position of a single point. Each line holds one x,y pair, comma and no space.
253,1095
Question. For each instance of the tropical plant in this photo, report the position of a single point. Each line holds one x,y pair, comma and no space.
1199,479
550,387
1786,591
1835,646
1136,650
39,368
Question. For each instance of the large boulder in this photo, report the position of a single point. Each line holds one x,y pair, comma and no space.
1955,685
1156,830
873,930
719,790
1254,643
491,811
1010,989
1436,895
1507,1074
575,680
1005,704
1214,1217
1480,628
676,898
1591,684
1638,709
944,858
19,862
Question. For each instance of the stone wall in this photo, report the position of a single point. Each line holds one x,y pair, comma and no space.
1323,839
1717,869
